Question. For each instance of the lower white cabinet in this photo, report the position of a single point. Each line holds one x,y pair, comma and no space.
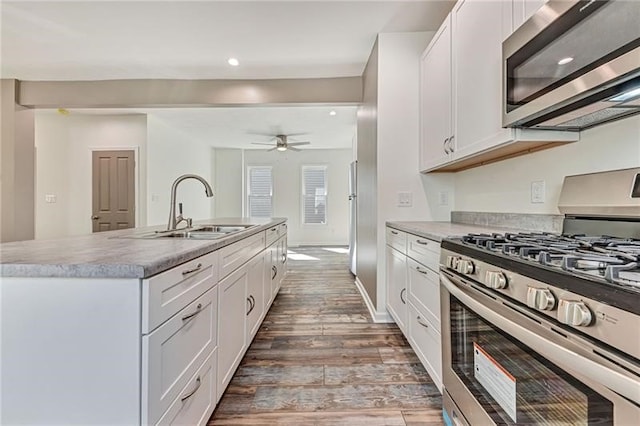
413,295
255,295
397,286
196,400
233,307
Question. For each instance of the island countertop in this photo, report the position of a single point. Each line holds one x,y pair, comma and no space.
116,254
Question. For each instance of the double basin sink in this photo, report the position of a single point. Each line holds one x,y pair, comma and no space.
197,232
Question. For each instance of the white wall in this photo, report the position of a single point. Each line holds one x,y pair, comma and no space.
287,190
63,166
506,186
228,182
172,153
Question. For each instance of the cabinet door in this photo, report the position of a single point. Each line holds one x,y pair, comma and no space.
255,295
232,308
435,99
282,259
397,286
524,9
478,31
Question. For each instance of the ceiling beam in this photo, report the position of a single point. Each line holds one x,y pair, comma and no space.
189,93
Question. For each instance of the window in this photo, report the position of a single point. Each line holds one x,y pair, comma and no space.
259,191
314,195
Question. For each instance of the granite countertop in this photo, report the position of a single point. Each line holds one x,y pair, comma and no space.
437,231
115,254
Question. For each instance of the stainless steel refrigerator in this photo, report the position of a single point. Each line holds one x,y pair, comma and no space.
353,175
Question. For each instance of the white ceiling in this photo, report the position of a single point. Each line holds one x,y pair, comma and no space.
93,40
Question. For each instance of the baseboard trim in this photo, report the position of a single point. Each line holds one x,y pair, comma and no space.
376,316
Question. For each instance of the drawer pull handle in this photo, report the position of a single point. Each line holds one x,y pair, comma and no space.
190,394
191,271
421,322
394,232
284,257
422,271
274,268
404,290
273,229
198,310
423,242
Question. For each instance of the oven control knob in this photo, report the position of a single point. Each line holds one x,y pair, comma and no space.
540,298
452,261
572,312
495,279
465,266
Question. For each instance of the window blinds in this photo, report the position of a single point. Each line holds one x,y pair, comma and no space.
260,192
314,194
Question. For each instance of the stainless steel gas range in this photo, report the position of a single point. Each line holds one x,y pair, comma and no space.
541,328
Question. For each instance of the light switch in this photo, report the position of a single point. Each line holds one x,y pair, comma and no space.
405,199
537,191
443,198
50,198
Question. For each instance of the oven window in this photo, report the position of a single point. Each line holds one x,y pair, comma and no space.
513,383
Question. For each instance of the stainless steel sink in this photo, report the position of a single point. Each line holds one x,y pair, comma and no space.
198,232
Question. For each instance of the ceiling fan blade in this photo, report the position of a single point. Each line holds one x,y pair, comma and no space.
293,148
272,149
298,143
294,134
260,134
262,143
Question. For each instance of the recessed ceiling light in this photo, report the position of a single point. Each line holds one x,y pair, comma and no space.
233,62
565,61
332,113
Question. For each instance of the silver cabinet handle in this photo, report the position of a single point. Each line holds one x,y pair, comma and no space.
451,147
284,257
190,394
191,315
444,146
252,303
422,242
274,268
422,271
394,232
273,230
191,271
421,322
404,290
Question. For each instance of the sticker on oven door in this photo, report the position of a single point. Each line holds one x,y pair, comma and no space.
496,380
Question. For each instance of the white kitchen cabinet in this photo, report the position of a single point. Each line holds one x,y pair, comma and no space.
397,286
413,295
473,110
436,123
523,10
233,306
255,295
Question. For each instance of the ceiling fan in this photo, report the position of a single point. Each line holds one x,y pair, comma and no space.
282,144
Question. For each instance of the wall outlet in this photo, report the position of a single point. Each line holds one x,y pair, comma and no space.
155,197
443,198
537,191
405,199
50,198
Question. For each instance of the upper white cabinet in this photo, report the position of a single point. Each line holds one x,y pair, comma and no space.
461,91
523,10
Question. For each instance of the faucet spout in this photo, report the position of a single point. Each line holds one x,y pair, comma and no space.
173,220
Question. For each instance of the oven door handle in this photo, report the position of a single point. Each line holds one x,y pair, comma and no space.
623,385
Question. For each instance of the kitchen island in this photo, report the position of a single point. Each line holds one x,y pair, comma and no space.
117,328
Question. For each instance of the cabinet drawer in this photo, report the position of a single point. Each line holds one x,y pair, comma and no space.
397,240
425,340
424,251
165,294
236,254
196,401
174,351
424,290
283,229
272,234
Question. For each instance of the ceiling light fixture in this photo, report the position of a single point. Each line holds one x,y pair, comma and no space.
233,62
332,113
281,148
565,61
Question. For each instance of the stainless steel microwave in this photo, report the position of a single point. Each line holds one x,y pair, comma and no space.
573,65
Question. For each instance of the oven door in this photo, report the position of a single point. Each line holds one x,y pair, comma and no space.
505,365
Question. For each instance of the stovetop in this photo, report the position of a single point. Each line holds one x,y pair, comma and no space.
611,260
603,268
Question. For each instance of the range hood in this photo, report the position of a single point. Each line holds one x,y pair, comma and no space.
573,65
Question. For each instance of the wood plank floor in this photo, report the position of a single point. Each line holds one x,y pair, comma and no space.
318,359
